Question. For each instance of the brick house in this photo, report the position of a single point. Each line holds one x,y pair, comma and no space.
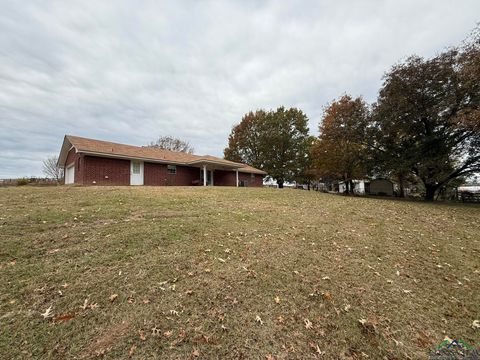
95,162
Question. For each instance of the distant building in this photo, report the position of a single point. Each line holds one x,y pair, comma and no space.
382,187
358,187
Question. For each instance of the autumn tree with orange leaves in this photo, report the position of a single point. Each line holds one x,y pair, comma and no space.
340,152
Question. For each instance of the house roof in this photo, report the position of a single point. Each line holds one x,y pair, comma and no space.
110,149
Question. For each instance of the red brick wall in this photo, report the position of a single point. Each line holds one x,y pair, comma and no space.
110,171
71,157
186,176
104,171
80,169
76,159
156,174
224,178
228,178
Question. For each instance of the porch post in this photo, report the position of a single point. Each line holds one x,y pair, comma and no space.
211,177
204,175
236,177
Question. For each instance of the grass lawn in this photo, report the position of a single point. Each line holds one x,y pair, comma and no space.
232,273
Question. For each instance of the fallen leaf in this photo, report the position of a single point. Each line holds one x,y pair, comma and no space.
308,324
85,304
132,350
65,317
277,299
195,353
141,333
168,333
259,320
113,297
48,313
368,326
327,296
316,348
347,307
476,324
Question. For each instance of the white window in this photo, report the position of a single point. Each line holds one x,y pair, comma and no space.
136,167
172,169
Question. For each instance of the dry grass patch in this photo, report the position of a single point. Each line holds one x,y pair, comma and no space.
233,273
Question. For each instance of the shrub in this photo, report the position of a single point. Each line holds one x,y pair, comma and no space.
23,181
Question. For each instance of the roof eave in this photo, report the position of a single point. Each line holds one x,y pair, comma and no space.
128,157
62,157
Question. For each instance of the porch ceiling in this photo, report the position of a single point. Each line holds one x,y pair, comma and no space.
215,165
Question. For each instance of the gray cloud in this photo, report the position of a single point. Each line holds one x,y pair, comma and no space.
130,71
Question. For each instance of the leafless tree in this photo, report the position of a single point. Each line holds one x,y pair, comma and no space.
172,144
51,169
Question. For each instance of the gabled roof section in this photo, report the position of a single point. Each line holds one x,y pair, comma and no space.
110,149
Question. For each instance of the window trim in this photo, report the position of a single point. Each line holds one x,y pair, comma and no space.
171,169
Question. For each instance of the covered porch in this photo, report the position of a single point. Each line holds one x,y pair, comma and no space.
217,173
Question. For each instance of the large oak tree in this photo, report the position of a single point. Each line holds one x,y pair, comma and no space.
427,118
274,141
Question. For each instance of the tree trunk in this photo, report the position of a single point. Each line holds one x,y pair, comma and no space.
352,187
402,187
430,192
280,183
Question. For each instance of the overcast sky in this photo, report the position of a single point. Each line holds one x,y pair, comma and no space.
129,71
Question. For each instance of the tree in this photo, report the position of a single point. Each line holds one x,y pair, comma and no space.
51,168
427,117
274,141
172,144
244,142
340,151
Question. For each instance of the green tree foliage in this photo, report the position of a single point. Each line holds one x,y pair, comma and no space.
275,141
427,118
339,153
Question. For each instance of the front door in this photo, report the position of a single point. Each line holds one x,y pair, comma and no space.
136,172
